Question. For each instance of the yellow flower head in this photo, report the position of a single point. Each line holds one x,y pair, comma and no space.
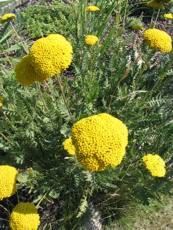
8,176
168,16
24,217
92,8
91,40
155,4
155,164
50,55
25,73
100,141
68,146
158,40
7,17
1,101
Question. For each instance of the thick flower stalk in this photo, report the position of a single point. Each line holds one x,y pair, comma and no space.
7,17
91,40
159,40
155,165
92,8
8,176
24,217
68,146
100,141
47,57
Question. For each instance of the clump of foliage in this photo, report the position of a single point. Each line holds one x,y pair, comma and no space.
41,20
120,75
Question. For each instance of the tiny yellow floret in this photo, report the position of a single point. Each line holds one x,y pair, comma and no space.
51,55
91,40
8,176
155,164
168,16
92,8
68,146
158,39
24,217
100,141
7,17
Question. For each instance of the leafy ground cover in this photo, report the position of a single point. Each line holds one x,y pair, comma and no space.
119,75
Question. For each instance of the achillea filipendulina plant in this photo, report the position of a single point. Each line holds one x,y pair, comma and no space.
24,217
155,164
158,39
100,141
51,55
91,40
92,8
113,79
47,57
68,146
7,17
8,176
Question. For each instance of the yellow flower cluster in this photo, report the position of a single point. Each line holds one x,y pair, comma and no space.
47,57
68,146
158,40
24,217
8,176
51,55
155,164
7,17
100,141
25,72
168,16
92,8
91,40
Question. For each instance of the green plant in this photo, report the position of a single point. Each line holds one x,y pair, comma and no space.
120,76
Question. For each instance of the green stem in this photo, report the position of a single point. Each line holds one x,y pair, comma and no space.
18,36
157,16
63,96
5,209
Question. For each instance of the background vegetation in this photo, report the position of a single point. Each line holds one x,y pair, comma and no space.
120,76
